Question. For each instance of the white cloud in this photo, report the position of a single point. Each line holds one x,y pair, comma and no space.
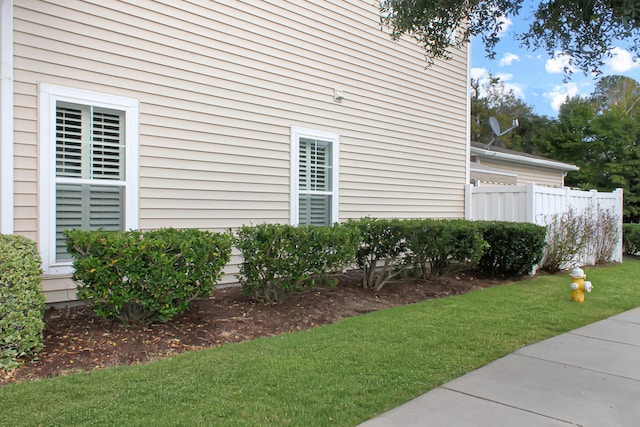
482,74
621,60
558,63
516,88
558,95
479,73
508,59
506,24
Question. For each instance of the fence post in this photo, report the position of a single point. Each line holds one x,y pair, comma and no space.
468,189
531,203
619,192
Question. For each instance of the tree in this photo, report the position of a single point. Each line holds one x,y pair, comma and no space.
617,92
602,138
614,158
566,138
584,30
493,99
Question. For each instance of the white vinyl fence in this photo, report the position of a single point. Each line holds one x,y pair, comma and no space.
538,204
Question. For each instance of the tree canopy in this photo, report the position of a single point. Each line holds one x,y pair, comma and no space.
584,30
619,92
493,99
601,134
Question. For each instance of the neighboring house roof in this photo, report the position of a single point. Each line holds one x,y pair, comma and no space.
503,154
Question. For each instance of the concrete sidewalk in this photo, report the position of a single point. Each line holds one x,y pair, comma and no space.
587,377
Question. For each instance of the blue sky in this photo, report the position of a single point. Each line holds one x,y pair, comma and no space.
534,76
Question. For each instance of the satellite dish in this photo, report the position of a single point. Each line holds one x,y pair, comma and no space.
495,126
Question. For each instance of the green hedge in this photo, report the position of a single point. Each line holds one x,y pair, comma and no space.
21,300
141,277
382,247
441,246
146,276
631,234
433,248
513,248
280,258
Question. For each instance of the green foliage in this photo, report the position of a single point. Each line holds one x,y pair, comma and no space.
601,134
565,138
279,258
381,249
433,248
441,246
617,92
336,375
491,98
21,300
513,248
631,238
141,277
584,30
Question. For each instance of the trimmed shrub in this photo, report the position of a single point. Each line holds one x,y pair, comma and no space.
281,258
382,246
513,248
142,277
631,238
21,300
442,246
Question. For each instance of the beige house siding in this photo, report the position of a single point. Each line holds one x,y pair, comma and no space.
220,83
527,174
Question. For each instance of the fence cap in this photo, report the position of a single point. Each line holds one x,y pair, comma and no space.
577,273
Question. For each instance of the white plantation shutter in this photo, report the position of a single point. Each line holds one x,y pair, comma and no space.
105,207
315,210
315,183
69,142
88,207
107,151
69,209
90,174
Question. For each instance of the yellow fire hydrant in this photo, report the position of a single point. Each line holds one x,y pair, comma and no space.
578,285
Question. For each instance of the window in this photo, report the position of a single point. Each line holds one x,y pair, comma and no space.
88,167
314,179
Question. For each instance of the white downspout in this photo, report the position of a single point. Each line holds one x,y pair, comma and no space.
6,117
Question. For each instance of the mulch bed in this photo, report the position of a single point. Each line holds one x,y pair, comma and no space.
77,340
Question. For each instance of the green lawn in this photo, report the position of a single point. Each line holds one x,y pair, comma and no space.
339,374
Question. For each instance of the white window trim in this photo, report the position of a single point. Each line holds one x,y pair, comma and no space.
334,138
49,96
6,118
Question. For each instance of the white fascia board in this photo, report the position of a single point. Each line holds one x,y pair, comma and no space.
478,168
550,164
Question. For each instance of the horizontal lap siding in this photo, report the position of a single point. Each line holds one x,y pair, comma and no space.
221,83
25,160
527,174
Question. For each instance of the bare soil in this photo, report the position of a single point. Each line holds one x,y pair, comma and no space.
77,340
